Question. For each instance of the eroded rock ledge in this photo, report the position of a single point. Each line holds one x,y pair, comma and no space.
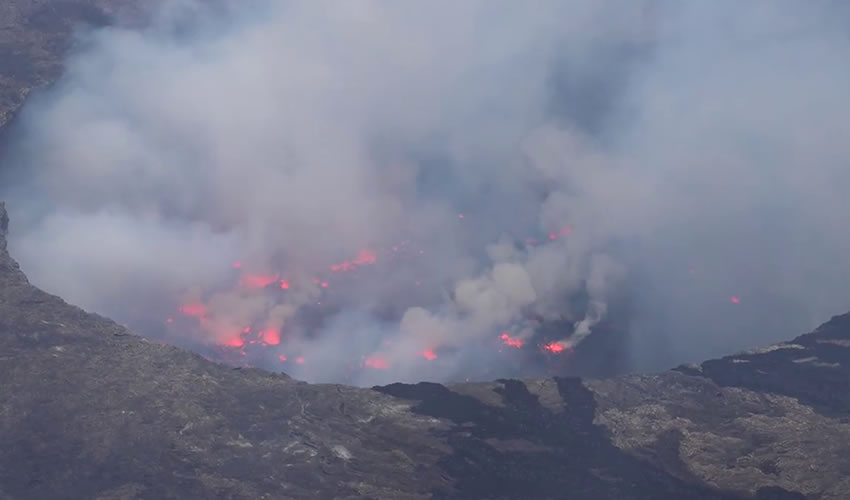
10,272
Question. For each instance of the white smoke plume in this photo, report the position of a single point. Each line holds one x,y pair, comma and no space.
670,155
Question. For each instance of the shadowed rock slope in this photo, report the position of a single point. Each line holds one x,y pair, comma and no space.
35,35
90,410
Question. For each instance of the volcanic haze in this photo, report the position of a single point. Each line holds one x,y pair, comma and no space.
412,188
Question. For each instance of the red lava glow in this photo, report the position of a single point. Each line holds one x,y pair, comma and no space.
246,340
364,258
194,310
271,336
234,342
256,280
735,300
510,341
554,347
563,232
377,362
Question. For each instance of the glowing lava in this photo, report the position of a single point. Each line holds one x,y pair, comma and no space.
256,280
268,333
377,362
510,341
735,300
234,342
271,336
555,347
365,257
563,232
194,310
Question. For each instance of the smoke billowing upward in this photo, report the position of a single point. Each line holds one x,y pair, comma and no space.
414,188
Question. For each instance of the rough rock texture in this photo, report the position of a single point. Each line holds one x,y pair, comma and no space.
35,34
89,410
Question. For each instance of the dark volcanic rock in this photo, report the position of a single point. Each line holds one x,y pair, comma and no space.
521,449
35,35
89,410
812,368
4,225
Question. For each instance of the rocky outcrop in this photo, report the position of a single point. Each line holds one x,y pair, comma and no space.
4,226
35,35
9,270
90,410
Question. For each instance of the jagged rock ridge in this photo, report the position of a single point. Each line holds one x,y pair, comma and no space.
92,411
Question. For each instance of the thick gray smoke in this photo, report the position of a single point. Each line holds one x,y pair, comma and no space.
687,157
